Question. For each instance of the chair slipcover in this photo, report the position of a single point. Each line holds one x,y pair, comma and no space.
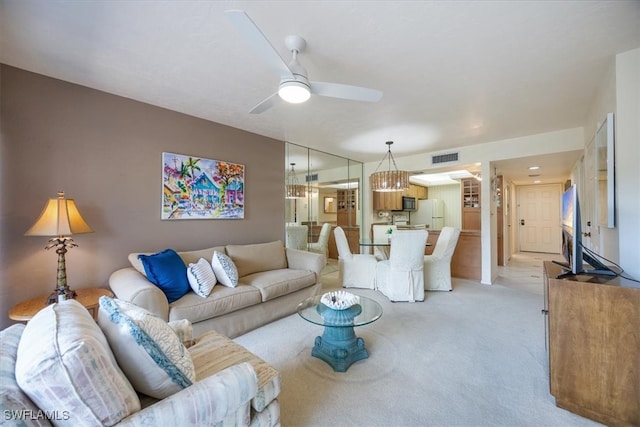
296,236
355,270
437,266
400,278
379,234
322,245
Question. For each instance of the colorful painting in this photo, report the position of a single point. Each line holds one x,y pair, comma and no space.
196,188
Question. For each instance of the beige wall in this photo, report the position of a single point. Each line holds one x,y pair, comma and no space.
105,152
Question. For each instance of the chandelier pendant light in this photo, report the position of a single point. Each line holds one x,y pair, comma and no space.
293,189
390,179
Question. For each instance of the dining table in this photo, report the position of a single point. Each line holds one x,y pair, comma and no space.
383,244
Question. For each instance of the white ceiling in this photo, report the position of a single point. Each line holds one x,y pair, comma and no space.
453,73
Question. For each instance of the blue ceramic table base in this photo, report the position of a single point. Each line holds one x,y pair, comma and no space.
339,346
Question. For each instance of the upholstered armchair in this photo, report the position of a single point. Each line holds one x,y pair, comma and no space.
437,266
355,270
322,245
400,278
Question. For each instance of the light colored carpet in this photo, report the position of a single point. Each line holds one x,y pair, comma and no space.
471,357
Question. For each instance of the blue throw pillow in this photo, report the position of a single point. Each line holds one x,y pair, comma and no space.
167,271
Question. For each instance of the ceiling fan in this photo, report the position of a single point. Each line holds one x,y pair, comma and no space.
294,85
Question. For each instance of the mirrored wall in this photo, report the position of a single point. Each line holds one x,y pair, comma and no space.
321,188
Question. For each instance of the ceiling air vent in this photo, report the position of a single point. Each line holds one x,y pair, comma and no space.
311,178
444,158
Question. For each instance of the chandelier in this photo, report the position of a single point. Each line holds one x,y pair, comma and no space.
389,180
293,189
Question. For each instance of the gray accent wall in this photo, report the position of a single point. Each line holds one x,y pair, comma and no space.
105,152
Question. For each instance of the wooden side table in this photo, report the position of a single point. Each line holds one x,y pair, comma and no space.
88,297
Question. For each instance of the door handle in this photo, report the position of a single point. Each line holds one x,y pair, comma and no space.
588,234
522,222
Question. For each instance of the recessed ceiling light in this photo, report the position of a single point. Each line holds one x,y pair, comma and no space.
533,168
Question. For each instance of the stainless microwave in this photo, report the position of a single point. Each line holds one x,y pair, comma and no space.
408,204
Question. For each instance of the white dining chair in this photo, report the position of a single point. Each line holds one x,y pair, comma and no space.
437,266
296,236
355,270
380,234
322,245
400,278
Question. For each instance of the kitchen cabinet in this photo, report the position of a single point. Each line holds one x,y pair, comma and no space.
392,200
470,204
591,325
417,191
347,207
387,200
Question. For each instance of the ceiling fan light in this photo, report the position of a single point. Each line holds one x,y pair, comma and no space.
294,92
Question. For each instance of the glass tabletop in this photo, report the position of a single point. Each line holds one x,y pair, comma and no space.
312,310
379,242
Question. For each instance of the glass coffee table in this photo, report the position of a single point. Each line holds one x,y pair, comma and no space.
339,346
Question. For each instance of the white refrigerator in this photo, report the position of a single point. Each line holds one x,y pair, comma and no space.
429,212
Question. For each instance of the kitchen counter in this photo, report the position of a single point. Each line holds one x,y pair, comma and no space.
467,258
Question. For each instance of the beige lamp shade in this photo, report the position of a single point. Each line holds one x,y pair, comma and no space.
296,191
293,188
60,217
387,181
390,179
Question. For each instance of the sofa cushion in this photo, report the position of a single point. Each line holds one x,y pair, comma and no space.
222,300
64,363
193,256
167,271
224,269
201,277
12,399
187,256
251,259
214,352
146,348
275,283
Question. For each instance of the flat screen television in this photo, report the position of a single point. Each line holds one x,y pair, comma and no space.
572,249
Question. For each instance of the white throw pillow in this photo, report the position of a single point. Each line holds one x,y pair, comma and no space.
64,364
201,277
146,348
224,269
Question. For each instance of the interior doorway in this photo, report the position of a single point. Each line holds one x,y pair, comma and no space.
538,219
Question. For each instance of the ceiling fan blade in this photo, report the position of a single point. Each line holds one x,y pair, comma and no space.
258,41
265,104
354,93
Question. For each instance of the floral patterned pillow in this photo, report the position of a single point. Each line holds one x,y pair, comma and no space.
224,269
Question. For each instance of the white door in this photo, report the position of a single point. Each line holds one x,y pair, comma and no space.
539,218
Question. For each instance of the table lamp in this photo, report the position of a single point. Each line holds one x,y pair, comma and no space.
60,218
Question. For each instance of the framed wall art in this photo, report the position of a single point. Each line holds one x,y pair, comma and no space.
198,188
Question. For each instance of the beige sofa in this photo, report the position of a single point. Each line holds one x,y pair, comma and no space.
61,369
272,281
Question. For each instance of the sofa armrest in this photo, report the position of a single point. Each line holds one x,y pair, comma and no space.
131,286
304,260
184,330
224,396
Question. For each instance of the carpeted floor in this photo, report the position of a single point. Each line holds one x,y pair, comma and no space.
471,357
